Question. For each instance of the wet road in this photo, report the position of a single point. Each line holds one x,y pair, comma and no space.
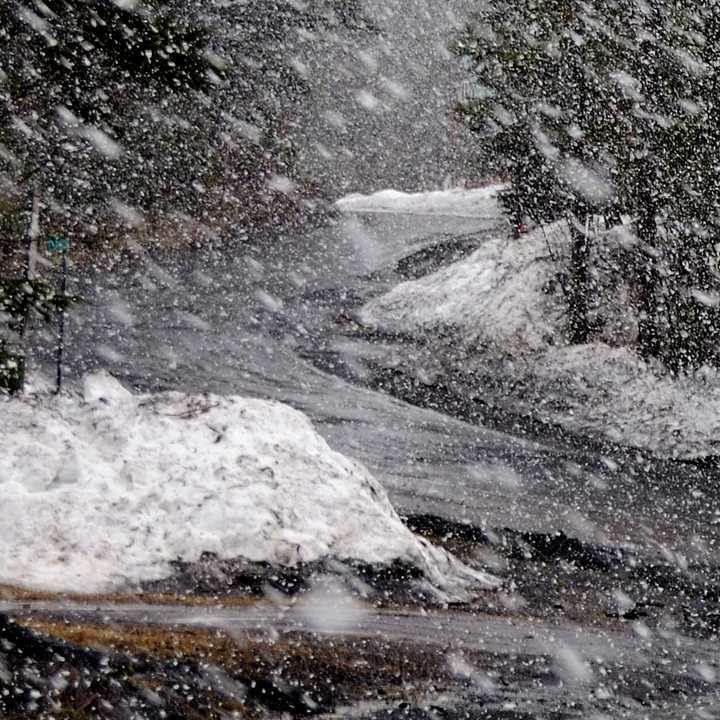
539,670
263,321
254,319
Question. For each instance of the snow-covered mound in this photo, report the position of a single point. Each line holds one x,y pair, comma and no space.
103,491
505,303
610,390
496,295
478,202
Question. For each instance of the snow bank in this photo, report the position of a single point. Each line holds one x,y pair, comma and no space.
610,390
496,295
479,202
102,492
504,302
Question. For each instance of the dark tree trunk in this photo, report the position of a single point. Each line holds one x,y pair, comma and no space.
579,286
16,380
649,340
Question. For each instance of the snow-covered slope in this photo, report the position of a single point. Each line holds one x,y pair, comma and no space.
611,391
104,491
497,295
478,202
504,306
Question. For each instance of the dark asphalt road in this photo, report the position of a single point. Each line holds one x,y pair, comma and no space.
261,321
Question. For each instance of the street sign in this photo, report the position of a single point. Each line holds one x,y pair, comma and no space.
58,244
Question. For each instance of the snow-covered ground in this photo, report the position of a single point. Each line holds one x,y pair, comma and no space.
477,202
610,390
103,491
503,307
494,296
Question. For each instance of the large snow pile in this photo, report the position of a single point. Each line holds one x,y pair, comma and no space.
102,492
478,202
498,295
505,303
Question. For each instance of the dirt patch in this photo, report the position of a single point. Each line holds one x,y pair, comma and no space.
88,670
461,539
433,257
394,583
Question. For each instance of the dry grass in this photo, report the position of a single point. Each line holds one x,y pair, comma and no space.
153,640
332,669
13,593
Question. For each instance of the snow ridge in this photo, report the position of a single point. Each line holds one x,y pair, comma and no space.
475,203
102,492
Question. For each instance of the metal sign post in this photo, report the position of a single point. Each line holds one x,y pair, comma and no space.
61,245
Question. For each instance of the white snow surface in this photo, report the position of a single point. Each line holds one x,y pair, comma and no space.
477,202
612,391
101,492
494,295
504,308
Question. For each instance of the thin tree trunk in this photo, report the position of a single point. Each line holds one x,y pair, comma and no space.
32,230
579,289
649,340
31,233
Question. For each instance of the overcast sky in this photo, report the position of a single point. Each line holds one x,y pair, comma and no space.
379,108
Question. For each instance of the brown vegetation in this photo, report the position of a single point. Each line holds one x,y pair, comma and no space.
13,593
328,670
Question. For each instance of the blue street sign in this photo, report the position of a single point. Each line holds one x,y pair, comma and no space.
58,244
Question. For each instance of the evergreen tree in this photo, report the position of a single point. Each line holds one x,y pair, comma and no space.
66,67
168,108
608,109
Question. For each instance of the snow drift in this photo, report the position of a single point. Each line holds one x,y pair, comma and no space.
478,202
502,308
496,295
103,491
